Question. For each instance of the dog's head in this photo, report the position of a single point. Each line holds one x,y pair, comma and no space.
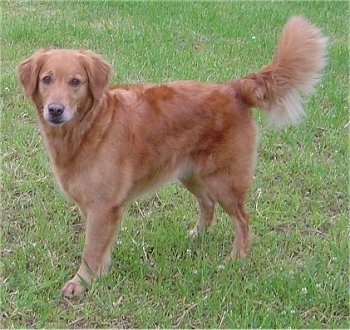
62,82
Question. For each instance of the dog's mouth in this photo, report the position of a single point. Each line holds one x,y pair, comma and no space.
56,121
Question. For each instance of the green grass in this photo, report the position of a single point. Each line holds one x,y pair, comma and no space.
297,274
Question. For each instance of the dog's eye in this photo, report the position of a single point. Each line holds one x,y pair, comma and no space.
75,82
47,80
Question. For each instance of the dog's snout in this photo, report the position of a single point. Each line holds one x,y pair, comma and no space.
55,109
58,113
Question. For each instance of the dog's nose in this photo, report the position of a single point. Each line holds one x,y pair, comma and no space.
55,109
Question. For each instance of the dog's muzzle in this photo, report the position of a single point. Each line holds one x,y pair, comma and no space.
55,113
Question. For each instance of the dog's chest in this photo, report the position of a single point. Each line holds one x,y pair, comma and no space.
72,183
94,182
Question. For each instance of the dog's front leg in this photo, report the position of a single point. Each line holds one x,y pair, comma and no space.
103,224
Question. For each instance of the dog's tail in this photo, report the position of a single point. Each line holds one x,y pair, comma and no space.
294,70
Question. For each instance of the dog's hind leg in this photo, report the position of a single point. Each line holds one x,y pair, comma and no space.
240,246
232,201
206,206
103,224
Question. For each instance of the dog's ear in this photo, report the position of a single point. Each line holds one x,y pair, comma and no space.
28,71
98,71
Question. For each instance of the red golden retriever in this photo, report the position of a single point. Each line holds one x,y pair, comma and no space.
108,146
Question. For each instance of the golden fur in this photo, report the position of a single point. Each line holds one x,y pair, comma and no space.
108,146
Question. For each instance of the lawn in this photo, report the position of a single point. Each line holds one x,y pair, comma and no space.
297,274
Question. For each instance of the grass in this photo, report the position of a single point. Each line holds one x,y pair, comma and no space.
298,272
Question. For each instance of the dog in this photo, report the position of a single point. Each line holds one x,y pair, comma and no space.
108,146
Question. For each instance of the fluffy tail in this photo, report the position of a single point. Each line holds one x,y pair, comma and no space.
294,70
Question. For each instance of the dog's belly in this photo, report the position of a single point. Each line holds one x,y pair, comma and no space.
155,177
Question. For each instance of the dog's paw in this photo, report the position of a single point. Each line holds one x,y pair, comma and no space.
193,233
72,288
238,253
240,248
